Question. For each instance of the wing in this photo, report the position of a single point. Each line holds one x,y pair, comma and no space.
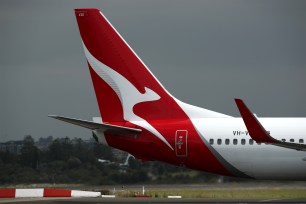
98,126
258,132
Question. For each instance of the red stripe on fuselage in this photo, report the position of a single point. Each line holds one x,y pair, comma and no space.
149,146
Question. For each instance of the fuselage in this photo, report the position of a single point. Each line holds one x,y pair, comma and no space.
229,137
229,143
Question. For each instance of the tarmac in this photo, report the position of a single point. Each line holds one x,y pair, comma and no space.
143,200
267,185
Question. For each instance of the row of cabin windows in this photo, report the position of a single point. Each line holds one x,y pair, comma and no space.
244,141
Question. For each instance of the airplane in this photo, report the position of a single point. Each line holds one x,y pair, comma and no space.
122,165
139,116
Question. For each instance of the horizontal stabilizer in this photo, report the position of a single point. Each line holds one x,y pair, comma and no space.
258,132
97,126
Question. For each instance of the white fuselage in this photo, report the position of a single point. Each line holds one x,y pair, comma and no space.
229,137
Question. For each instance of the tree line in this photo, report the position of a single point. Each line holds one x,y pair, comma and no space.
76,161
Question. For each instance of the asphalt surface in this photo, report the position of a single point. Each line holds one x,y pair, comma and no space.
144,200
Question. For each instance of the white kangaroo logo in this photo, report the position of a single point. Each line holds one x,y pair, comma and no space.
127,93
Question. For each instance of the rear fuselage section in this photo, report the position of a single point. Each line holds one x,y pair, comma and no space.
222,146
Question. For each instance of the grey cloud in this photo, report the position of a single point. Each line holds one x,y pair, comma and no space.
204,52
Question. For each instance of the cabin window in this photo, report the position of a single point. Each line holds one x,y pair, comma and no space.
251,142
227,141
243,141
235,141
219,141
301,141
291,140
211,141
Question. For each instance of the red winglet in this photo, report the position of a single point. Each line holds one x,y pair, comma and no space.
256,130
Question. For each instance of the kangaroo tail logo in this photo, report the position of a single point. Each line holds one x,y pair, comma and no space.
127,93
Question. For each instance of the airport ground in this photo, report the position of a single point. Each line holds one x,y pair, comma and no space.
147,200
262,192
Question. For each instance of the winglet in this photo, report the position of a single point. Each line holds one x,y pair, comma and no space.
256,130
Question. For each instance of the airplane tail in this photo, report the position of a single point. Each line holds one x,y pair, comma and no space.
125,88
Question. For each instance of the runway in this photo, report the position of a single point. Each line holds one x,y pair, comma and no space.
145,200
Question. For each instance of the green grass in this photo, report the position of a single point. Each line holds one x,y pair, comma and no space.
224,193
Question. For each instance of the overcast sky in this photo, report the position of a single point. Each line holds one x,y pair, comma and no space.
205,53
